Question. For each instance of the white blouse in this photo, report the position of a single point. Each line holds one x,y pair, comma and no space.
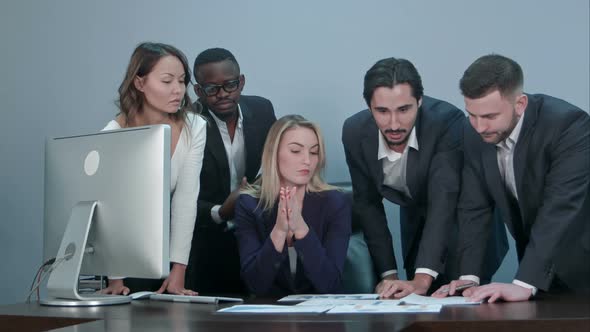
185,169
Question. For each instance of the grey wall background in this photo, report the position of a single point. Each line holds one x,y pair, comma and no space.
62,61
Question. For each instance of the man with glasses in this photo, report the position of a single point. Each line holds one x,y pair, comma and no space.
237,129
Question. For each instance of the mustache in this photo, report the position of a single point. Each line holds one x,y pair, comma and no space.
224,100
397,131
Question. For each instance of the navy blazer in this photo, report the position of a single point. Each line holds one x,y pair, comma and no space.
320,254
550,222
214,262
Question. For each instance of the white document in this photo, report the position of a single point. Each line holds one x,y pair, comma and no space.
305,297
335,302
451,300
379,307
275,309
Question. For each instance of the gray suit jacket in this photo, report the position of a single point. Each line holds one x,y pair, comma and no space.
433,178
550,222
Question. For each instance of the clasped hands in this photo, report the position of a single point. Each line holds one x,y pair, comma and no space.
289,223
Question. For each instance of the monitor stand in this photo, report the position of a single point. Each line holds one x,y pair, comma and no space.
62,285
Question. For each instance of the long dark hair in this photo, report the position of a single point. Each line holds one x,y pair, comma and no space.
142,62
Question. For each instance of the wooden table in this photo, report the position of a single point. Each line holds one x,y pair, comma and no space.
547,313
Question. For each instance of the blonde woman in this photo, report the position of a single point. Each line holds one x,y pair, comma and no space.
154,92
292,227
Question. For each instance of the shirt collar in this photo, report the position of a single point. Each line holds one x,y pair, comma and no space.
511,140
385,151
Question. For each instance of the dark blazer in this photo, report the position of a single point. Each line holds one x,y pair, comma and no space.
320,254
550,222
433,178
214,262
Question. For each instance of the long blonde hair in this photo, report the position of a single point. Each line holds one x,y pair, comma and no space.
267,187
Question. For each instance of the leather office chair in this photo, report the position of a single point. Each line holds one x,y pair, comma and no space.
358,276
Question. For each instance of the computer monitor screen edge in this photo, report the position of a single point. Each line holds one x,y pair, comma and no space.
118,183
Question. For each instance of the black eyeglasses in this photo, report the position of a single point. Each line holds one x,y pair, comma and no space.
213,89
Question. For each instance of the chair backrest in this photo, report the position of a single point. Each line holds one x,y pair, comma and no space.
358,276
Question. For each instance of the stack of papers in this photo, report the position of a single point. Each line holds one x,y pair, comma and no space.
306,297
276,309
450,300
352,303
345,302
380,307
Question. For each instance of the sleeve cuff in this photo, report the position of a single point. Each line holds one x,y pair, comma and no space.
215,214
388,273
470,277
525,285
430,272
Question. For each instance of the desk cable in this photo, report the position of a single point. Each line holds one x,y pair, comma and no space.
43,273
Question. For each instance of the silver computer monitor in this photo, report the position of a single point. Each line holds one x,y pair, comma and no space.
107,209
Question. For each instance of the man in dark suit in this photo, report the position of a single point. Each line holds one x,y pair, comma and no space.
528,156
406,148
235,136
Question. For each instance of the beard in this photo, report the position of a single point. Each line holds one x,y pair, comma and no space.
394,144
504,134
223,114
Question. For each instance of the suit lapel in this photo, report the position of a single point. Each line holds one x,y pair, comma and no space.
520,151
492,172
267,220
413,161
216,147
412,171
496,184
370,148
249,127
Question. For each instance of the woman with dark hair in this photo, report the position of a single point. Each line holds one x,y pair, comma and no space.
154,92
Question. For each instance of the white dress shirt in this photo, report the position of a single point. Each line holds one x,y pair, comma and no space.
394,163
236,156
505,153
394,176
